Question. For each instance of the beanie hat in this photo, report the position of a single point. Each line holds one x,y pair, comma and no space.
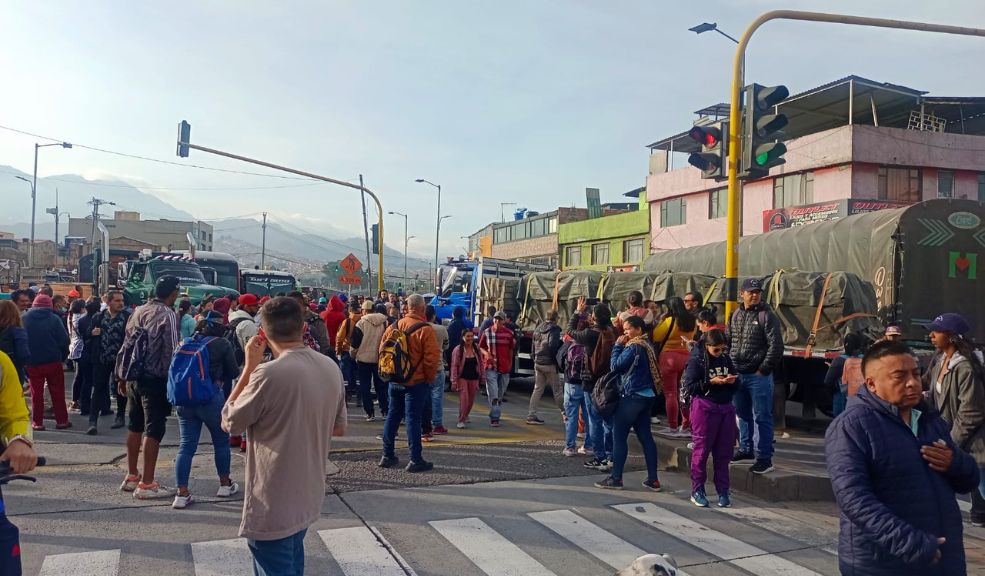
41,301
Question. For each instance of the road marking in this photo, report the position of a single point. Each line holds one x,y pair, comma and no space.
487,549
743,555
359,553
783,525
101,563
597,541
222,558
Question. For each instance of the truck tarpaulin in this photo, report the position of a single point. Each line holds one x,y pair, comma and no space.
538,290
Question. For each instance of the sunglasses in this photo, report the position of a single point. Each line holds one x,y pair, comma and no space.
716,348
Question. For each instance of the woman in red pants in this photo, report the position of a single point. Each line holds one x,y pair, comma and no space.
672,337
466,375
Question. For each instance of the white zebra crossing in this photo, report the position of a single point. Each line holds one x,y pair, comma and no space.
743,555
363,551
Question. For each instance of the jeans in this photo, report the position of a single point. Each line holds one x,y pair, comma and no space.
370,376
633,412
575,399
496,384
409,401
599,432
190,420
437,399
713,429
754,404
545,375
284,557
82,385
349,371
54,374
839,399
102,379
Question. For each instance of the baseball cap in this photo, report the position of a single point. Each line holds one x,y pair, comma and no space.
248,300
368,305
751,284
73,293
166,285
323,300
949,322
893,330
41,301
263,300
343,298
501,315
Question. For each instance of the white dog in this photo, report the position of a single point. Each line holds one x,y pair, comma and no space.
651,565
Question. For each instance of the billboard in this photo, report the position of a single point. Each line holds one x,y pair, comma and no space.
791,216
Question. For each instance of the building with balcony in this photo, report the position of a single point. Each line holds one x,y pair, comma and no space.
853,145
616,242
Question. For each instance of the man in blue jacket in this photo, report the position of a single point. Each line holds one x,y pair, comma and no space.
895,472
48,341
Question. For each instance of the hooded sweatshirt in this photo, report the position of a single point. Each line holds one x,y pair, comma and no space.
366,338
333,317
47,338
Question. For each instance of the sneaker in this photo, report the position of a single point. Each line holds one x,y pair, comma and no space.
38,427
609,483
535,421
388,461
690,445
227,491
181,501
606,465
594,464
421,466
740,456
762,467
494,423
586,451
371,418
580,435
460,425
683,433
395,438
569,452
74,406
426,438
978,521
651,486
118,422
440,430
667,431
130,483
724,500
699,499
151,491
654,420
92,431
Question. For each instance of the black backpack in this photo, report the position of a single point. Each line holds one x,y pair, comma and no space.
230,337
606,394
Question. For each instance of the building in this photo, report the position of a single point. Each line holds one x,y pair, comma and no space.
853,145
480,243
126,229
531,238
616,242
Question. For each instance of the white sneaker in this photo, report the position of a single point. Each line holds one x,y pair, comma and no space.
130,483
654,420
227,491
460,425
151,491
580,435
181,501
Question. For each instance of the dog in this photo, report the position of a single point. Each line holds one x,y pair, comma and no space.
651,565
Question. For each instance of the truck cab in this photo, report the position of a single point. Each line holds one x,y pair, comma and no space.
139,277
460,283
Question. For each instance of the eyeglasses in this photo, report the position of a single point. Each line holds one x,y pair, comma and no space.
716,348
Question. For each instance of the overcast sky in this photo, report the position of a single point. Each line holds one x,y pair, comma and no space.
522,101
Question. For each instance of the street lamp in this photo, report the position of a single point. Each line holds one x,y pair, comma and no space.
709,27
34,196
437,230
405,239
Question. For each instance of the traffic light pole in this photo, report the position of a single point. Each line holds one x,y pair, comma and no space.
379,205
735,118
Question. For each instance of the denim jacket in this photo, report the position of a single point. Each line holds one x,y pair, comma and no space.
632,363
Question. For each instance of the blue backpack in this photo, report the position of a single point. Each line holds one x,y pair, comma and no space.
189,381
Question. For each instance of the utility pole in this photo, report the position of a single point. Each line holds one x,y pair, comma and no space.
96,203
263,245
54,212
369,258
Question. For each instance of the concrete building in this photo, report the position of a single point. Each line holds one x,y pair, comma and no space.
853,145
616,242
126,230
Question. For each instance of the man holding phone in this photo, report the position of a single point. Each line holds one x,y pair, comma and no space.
291,408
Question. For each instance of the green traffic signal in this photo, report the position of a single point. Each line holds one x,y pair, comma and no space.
761,125
767,154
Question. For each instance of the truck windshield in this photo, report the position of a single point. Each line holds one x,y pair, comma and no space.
266,285
189,274
455,279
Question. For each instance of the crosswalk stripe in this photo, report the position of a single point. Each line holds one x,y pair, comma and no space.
101,563
487,549
359,552
593,539
782,525
222,558
743,555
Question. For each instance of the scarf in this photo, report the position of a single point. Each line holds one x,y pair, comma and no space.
651,357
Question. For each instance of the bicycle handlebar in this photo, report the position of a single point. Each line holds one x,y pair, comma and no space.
6,477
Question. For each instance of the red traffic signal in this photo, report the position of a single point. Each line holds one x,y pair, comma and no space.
707,136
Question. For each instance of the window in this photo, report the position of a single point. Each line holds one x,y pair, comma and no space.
945,184
899,184
552,225
502,234
632,250
981,187
538,227
793,190
572,256
600,253
718,204
673,212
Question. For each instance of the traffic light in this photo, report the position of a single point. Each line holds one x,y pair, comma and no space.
376,238
184,136
713,158
760,124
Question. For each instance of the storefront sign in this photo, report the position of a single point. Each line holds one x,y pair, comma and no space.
790,216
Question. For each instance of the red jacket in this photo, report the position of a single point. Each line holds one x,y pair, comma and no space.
498,346
334,316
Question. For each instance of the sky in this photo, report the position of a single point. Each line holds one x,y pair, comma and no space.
522,101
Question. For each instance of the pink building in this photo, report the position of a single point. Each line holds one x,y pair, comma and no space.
853,145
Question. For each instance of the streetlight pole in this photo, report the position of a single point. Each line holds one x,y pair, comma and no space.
34,196
437,230
710,27
405,240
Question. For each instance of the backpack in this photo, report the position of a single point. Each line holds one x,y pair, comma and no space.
233,340
189,381
395,363
131,359
309,340
606,394
851,375
602,355
575,363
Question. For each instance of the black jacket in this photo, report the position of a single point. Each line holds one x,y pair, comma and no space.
756,339
546,342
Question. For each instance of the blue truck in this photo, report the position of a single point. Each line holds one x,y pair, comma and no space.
460,282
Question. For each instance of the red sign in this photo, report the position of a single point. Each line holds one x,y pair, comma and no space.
351,264
350,279
791,216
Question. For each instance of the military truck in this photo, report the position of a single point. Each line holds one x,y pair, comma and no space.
138,278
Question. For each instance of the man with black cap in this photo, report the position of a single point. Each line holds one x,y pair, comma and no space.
756,347
147,396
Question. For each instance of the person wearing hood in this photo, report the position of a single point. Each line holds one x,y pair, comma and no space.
895,471
48,341
957,391
333,317
546,343
365,348
343,339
